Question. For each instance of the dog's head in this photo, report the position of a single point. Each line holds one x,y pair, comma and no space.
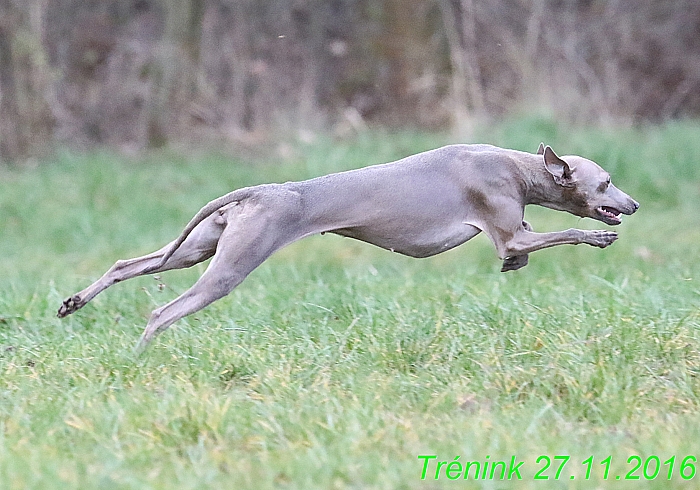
586,188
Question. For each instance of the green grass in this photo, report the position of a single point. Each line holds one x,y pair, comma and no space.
336,364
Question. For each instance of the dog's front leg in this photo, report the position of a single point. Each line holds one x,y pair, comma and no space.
515,262
523,241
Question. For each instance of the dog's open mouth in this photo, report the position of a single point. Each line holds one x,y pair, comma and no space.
609,215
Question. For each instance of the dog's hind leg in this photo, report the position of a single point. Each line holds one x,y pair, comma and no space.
245,243
199,246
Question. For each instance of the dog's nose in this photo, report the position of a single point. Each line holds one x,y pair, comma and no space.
635,204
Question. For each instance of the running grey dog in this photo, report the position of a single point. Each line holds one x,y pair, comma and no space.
419,206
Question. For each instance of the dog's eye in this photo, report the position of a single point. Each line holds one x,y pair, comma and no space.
604,185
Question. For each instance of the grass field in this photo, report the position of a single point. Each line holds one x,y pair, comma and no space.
337,364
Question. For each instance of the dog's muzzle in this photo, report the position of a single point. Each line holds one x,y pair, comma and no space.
612,215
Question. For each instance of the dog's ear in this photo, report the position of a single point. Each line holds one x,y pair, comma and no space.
559,169
540,150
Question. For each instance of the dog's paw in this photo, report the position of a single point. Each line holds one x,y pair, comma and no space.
601,238
70,305
514,263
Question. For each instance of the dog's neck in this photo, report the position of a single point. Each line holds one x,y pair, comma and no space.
540,187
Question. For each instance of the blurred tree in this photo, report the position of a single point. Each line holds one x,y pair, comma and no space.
134,74
467,95
24,81
11,144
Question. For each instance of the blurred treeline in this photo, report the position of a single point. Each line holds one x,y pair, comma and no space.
134,74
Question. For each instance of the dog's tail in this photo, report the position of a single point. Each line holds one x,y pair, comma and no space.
203,213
